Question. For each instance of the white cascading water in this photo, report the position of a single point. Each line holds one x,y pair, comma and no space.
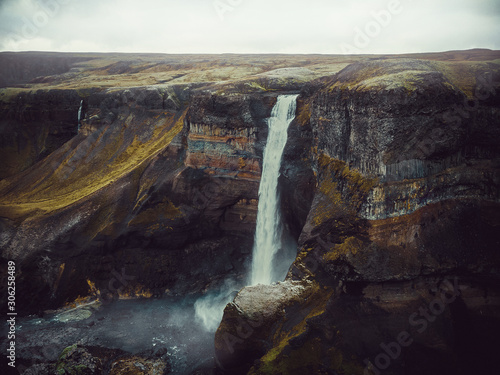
269,229
80,114
209,308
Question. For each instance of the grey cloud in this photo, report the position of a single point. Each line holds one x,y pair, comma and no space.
321,26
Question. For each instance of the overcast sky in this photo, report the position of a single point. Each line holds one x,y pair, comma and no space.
249,26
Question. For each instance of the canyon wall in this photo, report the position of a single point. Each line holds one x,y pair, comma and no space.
389,184
397,269
154,180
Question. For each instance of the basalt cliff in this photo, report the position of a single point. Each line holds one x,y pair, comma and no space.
390,186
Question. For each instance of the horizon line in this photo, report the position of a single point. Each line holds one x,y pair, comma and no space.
255,53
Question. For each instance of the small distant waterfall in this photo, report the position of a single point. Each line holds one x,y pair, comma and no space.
269,227
80,115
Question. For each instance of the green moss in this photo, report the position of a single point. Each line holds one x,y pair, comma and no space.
360,76
313,357
463,75
255,85
408,79
305,360
163,210
304,114
62,189
344,189
282,359
65,351
84,92
9,94
350,246
63,368
409,74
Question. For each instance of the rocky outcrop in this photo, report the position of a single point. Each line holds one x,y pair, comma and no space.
92,360
255,321
232,125
75,359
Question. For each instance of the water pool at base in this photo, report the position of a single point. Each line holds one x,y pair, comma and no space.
134,326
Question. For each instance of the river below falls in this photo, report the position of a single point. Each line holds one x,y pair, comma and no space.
134,326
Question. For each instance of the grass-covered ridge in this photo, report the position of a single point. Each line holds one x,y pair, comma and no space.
414,74
114,70
85,165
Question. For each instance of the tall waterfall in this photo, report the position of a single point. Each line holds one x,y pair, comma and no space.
268,236
269,227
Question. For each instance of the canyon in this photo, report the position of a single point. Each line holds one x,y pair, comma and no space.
389,191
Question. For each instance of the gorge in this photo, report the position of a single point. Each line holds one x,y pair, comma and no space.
268,242
129,202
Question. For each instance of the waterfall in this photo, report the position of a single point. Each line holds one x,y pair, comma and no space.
80,114
269,229
268,236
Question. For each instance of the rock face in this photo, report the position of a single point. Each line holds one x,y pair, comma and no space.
248,329
154,179
92,360
75,359
401,235
390,186
35,125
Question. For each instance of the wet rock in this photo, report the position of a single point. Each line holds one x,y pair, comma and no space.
245,332
143,364
40,369
77,360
